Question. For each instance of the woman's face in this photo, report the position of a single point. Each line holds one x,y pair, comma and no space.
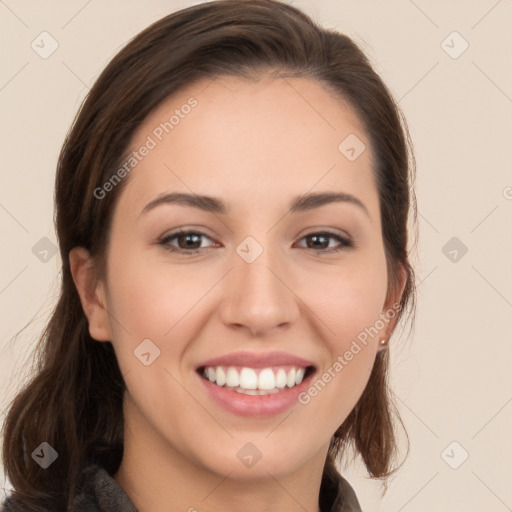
261,291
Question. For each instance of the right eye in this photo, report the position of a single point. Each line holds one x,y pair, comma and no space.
187,241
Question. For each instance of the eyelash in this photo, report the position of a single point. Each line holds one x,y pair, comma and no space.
165,241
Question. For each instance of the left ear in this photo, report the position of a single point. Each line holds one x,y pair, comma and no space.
391,304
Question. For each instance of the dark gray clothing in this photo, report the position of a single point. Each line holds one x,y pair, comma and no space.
99,492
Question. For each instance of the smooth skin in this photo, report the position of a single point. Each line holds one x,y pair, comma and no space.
256,146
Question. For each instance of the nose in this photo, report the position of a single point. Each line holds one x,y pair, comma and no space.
259,296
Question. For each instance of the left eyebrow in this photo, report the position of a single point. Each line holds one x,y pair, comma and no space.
317,199
214,205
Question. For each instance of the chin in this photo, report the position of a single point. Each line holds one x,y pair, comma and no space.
247,462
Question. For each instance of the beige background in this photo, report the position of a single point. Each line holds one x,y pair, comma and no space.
452,377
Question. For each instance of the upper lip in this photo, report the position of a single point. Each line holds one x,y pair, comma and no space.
255,360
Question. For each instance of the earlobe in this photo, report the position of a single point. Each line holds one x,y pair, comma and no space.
91,292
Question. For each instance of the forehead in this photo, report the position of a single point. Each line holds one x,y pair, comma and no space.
241,139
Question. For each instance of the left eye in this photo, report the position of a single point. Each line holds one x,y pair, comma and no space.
317,242
190,242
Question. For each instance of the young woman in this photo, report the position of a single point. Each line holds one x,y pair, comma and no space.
231,207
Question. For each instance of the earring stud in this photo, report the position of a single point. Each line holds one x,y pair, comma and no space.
383,343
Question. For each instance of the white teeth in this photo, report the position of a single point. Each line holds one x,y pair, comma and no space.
280,378
232,378
266,379
220,376
249,379
290,381
253,381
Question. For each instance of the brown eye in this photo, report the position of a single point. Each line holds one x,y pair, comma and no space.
187,241
321,241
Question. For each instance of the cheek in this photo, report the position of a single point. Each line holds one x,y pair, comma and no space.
150,299
348,299
348,304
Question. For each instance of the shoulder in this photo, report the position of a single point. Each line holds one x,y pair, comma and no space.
96,491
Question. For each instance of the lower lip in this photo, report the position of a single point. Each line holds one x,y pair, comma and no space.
255,406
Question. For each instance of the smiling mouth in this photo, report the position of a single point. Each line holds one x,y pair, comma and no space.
256,381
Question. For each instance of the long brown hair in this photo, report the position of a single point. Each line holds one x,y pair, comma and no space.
74,399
